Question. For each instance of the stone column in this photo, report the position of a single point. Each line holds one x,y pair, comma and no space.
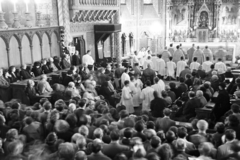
168,14
31,49
8,53
117,38
21,56
218,4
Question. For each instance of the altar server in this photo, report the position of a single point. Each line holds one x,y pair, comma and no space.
194,65
221,53
87,59
177,55
157,87
161,68
180,66
206,66
171,66
147,62
199,55
125,76
190,54
208,53
155,62
141,56
147,96
136,86
127,97
220,66
134,58
171,50
166,54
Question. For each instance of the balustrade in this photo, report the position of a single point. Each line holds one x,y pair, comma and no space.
97,2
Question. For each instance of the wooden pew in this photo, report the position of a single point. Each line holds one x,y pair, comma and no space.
205,112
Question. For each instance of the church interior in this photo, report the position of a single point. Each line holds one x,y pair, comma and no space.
77,75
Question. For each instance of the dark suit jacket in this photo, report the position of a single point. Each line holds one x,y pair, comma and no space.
65,64
37,71
157,106
25,74
148,74
112,149
66,80
13,78
119,72
97,156
45,69
189,108
224,150
182,88
76,60
164,124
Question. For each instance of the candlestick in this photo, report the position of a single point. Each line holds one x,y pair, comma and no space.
3,25
14,6
16,23
27,7
1,6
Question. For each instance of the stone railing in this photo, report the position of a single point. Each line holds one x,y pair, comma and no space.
98,2
93,4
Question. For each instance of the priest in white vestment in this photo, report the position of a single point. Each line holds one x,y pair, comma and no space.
166,55
181,66
136,86
206,66
171,67
171,50
155,62
220,67
87,59
161,67
141,56
147,96
177,55
190,54
194,65
147,62
134,58
125,76
208,53
221,53
199,54
127,97
157,87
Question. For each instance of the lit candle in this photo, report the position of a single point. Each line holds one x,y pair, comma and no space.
27,2
0,6
37,5
14,6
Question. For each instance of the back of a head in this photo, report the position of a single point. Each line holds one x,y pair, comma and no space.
155,94
170,136
230,134
205,148
165,152
148,83
182,132
167,112
152,156
191,94
98,133
139,126
96,147
181,79
155,141
207,58
114,135
170,58
66,151
195,59
120,156
180,145
202,125
80,155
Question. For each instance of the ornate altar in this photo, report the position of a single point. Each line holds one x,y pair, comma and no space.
203,20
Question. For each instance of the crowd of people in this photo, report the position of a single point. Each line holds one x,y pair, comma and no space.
123,112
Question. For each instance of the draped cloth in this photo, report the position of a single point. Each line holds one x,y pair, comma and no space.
136,87
220,54
165,55
208,53
161,67
171,50
180,67
177,55
200,56
87,59
194,66
147,97
125,77
190,54
127,99
171,66
146,62
206,66
155,63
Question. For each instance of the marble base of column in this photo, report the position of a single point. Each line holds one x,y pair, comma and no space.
28,20
16,23
3,25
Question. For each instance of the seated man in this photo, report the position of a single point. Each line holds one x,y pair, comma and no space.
43,86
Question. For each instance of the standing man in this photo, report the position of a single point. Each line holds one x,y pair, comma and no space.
221,68
221,53
194,65
208,53
127,97
147,96
148,74
147,62
155,62
76,61
177,55
166,55
199,54
161,66
118,73
206,66
171,50
88,60
190,54
171,66
180,66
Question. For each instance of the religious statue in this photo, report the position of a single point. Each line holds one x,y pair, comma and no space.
203,20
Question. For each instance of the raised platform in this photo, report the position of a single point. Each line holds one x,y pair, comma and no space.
231,48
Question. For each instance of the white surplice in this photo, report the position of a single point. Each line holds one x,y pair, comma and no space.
157,88
125,77
206,66
161,84
141,57
221,67
180,67
146,62
147,97
155,63
87,59
136,87
171,66
194,65
161,67
208,53
127,99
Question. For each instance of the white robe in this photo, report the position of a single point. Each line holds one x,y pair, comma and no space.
146,62
125,77
162,84
200,56
208,53
127,99
221,67
165,55
87,59
134,59
180,67
147,97
206,66
194,65
157,88
155,63
161,67
171,66
141,58
177,55
136,87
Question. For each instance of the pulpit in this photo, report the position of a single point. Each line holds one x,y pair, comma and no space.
202,35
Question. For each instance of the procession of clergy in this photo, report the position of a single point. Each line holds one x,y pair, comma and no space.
172,62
